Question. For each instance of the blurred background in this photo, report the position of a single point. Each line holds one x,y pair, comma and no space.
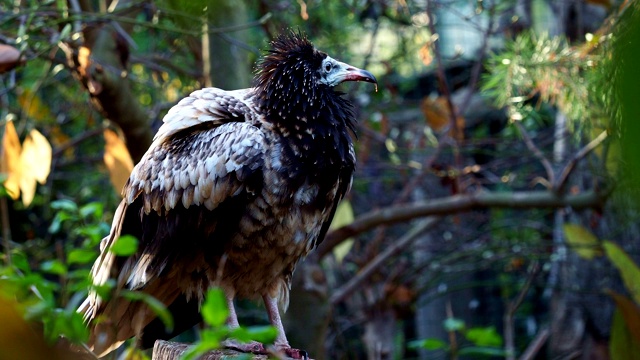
494,210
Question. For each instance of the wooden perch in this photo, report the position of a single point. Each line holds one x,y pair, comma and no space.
166,350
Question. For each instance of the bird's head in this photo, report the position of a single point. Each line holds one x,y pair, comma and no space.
294,76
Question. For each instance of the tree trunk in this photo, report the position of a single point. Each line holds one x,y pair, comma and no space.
226,64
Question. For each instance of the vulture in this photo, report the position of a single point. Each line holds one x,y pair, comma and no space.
236,187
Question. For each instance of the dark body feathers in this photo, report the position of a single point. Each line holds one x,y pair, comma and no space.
235,189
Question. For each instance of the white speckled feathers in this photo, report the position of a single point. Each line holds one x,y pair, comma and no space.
203,168
207,165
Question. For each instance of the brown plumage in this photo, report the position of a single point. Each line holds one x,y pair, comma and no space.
236,188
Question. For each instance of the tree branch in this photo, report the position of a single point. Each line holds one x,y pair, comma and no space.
536,152
368,270
460,203
562,180
512,307
536,344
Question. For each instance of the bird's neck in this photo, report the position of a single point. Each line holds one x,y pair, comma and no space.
319,137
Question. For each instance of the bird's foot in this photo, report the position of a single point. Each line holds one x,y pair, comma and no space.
249,347
254,347
290,353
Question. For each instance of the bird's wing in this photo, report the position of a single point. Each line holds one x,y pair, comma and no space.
345,179
192,162
202,165
207,105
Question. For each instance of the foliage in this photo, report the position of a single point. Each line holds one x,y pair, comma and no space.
49,290
535,69
624,71
481,342
215,312
625,326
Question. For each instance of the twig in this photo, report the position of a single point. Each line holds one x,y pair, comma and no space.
453,340
379,260
536,152
75,141
477,67
536,344
562,180
512,307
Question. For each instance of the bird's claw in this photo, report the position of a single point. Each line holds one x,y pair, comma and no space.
253,347
297,354
291,353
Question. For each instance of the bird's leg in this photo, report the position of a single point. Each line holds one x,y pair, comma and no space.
232,322
281,344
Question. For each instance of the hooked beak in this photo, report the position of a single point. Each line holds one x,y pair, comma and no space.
352,73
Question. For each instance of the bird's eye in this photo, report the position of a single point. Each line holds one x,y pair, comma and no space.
327,67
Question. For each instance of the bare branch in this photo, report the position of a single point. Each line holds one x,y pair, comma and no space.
512,307
368,270
566,172
460,203
536,344
536,152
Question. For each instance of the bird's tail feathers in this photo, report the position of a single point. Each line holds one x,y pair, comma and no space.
101,270
118,318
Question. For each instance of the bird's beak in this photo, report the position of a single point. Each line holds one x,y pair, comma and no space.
352,73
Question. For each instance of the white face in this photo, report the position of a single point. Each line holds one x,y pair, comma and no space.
333,72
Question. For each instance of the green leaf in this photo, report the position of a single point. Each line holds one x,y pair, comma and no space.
214,310
484,336
66,30
195,351
125,245
429,344
157,306
57,221
622,344
76,330
19,260
94,209
104,290
54,267
81,256
628,269
630,313
453,324
262,334
64,204
582,241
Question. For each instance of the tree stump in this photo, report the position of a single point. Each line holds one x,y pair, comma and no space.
166,350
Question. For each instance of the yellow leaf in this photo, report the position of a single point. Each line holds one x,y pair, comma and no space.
27,187
35,164
37,151
10,165
117,159
629,271
582,241
343,216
